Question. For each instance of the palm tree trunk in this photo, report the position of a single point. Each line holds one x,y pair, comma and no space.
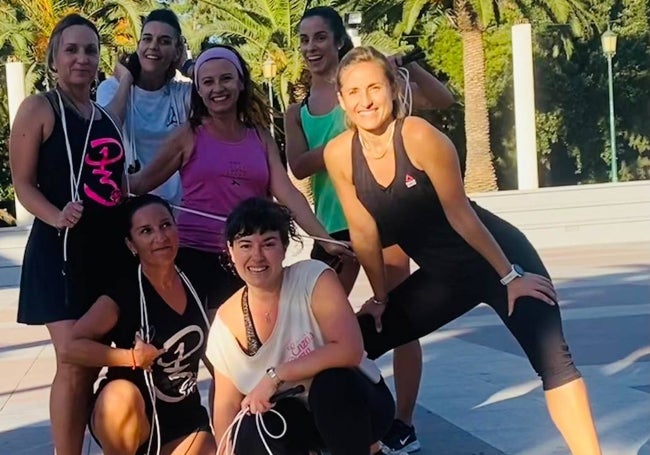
479,173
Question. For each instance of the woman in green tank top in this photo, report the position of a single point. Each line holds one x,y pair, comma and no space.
309,126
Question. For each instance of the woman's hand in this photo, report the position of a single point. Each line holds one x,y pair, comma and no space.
257,402
532,285
339,249
121,71
374,309
70,215
144,354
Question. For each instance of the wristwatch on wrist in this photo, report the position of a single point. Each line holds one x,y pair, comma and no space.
515,272
270,372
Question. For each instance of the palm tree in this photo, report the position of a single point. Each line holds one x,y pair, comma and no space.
471,18
25,27
259,29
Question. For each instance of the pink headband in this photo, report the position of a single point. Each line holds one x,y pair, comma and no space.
216,53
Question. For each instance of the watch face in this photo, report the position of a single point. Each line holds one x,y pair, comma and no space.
518,269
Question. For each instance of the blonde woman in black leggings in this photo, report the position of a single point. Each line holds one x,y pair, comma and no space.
399,182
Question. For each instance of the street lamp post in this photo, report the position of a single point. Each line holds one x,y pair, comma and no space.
353,24
269,71
608,41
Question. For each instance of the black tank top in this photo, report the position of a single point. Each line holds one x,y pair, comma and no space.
103,167
408,211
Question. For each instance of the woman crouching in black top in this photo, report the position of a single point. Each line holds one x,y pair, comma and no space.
149,399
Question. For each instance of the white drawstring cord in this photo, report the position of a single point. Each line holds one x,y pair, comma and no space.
224,219
145,334
261,429
74,180
407,97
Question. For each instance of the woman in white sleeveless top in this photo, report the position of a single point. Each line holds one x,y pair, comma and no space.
291,325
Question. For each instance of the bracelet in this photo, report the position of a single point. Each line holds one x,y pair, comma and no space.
376,301
133,364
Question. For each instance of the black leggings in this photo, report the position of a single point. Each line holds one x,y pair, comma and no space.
347,413
437,294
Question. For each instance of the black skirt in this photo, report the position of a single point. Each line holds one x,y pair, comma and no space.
51,290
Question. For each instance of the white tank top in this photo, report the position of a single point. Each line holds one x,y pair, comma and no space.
296,333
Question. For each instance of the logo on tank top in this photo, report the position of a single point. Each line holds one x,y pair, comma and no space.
172,118
410,181
301,347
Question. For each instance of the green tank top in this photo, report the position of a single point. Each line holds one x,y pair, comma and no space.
318,130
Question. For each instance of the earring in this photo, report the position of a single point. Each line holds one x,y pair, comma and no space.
134,253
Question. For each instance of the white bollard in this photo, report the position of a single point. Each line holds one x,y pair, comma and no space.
15,72
524,89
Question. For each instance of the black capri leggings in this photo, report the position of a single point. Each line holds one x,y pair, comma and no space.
436,294
347,413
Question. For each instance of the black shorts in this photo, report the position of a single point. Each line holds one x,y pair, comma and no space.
212,274
176,419
319,253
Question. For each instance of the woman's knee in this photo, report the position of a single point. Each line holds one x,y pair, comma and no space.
335,387
120,407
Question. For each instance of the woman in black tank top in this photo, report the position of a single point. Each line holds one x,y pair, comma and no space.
399,182
67,161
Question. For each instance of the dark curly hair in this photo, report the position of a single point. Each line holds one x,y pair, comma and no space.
260,215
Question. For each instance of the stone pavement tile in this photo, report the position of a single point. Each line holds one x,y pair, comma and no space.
13,371
26,440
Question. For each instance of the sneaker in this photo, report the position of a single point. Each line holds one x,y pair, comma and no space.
402,437
385,450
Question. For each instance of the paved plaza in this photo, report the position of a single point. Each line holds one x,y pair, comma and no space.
479,395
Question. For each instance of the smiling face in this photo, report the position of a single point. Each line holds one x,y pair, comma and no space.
258,259
318,45
77,56
153,235
158,48
366,95
219,86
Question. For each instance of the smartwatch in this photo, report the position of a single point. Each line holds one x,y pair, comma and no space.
515,272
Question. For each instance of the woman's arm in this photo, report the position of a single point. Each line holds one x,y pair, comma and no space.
113,94
363,228
288,194
173,153
428,91
227,403
302,161
32,126
86,349
343,342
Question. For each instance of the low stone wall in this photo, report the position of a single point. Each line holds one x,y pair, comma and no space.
576,215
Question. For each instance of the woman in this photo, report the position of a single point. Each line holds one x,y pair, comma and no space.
309,126
287,326
151,98
150,397
67,162
399,181
225,155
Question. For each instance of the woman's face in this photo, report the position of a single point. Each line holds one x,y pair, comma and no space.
154,236
366,96
219,85
258,258
77,56
158,48
318,45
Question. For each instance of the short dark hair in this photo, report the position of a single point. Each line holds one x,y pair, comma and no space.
335,23
134,203
260,215
55,37
166,16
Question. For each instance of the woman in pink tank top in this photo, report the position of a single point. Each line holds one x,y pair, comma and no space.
225,154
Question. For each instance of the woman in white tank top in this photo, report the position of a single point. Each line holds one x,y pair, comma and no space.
290,326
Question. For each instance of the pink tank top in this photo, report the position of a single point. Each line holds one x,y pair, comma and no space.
217,177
